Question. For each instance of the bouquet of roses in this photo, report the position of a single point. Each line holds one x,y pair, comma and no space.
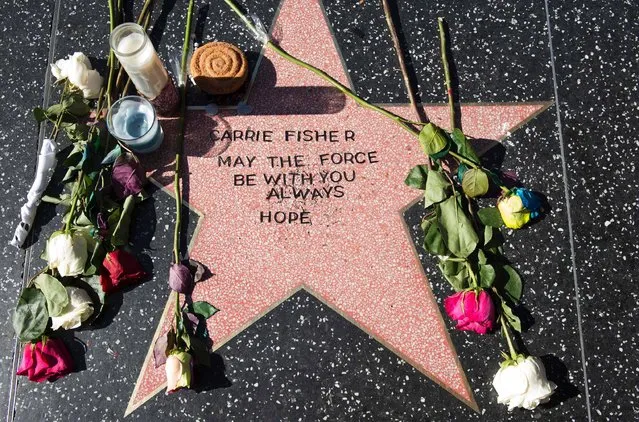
89,257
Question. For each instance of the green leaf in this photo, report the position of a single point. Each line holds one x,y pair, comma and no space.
120,235
456,273
464,148
39,114
486,275
74,104
434,141
54,293
512,319
205,309
456,228
490,216
417,177
30,317
186,339
513,287
492,237
433,241
94,283
54,111
475,183
437,188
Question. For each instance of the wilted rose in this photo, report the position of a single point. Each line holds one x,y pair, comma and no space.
77,68
120,268
523,383
127,177
78,310
67,252
178,367
45,361
473,311
180,278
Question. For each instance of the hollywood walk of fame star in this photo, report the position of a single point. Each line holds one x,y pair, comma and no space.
356,254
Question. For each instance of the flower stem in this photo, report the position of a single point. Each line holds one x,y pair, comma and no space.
506,331
74,201
111,54
402,65
342,88
180,138
449,86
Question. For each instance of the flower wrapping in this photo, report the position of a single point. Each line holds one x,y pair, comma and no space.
46,164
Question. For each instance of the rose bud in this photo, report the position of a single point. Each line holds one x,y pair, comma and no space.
45,361
178,369
67,252
473,311
127,177
77,69
120,268
523,383
78,310
513,212
530,200
180,278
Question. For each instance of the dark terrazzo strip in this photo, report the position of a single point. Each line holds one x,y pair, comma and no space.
596,50
23,60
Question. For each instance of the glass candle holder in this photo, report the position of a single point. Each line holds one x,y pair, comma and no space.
136,54
132,120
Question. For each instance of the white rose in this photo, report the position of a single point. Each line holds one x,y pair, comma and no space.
67,252
523,384
77,68
78,310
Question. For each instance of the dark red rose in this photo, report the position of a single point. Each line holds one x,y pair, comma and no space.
128,177
120,268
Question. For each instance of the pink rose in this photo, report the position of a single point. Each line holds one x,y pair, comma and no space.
473,311
178,367
45,361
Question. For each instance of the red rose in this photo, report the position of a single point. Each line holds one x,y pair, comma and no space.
45,361
120,268
473,311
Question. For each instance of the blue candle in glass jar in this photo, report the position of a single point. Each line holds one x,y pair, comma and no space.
133,121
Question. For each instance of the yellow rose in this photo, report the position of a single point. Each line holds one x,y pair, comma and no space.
513,212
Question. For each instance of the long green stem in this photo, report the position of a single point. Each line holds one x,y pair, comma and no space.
402,65
449,84
180,138
342,88
506,331
74,202
111,54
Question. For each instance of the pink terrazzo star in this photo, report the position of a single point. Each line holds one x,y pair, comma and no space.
356,254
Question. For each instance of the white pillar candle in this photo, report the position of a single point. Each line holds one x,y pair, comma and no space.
136,54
